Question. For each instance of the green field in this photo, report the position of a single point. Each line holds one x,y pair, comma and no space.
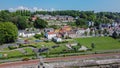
101,43
12,53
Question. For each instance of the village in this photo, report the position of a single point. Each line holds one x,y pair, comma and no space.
64,39
66,31
59,34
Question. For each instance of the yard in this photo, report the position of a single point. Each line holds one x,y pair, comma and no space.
101,43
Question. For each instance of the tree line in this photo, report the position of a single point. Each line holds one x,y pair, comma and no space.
22,18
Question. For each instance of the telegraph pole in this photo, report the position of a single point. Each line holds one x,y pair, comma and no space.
41,63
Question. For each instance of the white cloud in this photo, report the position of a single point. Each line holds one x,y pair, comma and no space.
31,9
52,9
19,8
22,8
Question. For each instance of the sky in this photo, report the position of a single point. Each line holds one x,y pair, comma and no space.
83,5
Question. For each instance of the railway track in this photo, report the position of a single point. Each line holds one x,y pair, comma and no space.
35,63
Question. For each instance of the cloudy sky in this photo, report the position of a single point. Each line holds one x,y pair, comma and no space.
83,5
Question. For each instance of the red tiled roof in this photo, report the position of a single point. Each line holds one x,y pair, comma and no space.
51,32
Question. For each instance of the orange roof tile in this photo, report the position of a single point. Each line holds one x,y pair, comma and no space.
51,32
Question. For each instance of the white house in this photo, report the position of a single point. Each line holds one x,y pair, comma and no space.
80,32
83,48
25,33
50,35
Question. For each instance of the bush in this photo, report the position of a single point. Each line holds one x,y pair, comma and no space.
12,47
38,36
46,41
33,46
22,45
25,59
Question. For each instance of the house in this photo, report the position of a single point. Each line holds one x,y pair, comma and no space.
80,32
60,18
72,34
83,48
65,29
52,18
49,30
50,35
90,23
34,18
70,19
57,39
65,18
45,17
28,32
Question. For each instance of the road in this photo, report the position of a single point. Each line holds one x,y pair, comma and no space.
34,63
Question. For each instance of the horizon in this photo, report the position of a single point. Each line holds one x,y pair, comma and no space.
52,5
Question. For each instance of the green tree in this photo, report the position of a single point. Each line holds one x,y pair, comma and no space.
85,33
92,45
105,32
23,12
115,35
96,32
20,22
91,32
39,23
79,45
38,36
8,32
5,16
81,22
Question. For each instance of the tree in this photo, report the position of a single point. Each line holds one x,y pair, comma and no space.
92,45
39,23
81,22
96,32
85,33
114,35
38,36
23,12
5,16
79,45
8,32
105,32
91,32
99,32
20,22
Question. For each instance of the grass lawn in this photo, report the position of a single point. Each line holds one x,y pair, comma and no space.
29,50
12,53
58,49
46,44
101,43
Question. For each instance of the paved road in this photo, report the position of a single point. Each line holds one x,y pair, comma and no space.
34,63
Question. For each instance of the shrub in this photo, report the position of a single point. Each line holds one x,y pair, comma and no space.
33,46
46,41
22,45
38,36
25,59
12,47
